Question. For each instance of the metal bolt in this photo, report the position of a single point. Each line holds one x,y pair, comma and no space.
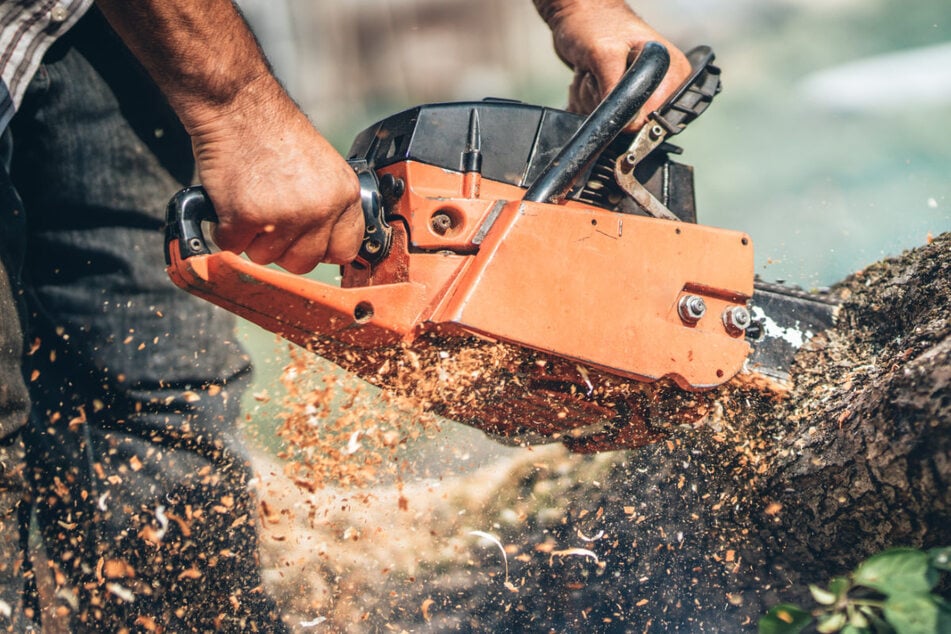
736,320
392,187
195,244
656,131
691,308
441,223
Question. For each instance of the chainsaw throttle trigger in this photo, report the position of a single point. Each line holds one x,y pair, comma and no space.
183,217
601,127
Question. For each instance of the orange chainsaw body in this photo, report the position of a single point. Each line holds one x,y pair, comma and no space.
587,284
501,297
594,289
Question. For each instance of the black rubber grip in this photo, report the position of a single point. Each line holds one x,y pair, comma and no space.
601,127
694,95
183,217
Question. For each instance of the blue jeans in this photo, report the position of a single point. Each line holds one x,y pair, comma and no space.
138,476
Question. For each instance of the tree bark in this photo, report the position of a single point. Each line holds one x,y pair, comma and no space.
706,530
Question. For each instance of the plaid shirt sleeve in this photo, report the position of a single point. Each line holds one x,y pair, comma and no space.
27,29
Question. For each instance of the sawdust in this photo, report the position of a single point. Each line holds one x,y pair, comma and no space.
359,518
342,432
696,531
521,396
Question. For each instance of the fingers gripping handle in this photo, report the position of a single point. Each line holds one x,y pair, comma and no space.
602,125
191,206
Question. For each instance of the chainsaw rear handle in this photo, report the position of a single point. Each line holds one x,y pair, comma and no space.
191,206
183,217
602,126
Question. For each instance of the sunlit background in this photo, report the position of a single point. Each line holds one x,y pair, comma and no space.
830,143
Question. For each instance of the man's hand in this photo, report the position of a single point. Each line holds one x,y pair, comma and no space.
281,192
598,39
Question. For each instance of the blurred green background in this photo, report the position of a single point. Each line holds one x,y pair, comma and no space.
830,143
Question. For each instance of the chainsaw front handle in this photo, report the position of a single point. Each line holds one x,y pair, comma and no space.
602,126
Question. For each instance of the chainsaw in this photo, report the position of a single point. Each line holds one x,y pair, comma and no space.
528,271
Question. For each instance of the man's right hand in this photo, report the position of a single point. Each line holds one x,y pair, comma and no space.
281,192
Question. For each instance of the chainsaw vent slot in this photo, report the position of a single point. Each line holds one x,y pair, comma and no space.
363,312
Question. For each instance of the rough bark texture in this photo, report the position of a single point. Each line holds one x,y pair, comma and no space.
698,533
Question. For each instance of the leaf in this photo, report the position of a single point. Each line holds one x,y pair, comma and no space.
831,623
852,629
840,586
941,558
858,620
912,614
784,619
822,597
878,623
898,570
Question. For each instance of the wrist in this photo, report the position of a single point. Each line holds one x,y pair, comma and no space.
254,102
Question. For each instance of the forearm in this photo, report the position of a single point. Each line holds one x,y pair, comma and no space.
202,55
280,190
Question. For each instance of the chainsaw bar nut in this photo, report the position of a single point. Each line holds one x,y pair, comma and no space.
736,320
691,309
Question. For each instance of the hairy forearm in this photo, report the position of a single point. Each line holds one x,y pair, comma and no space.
202,55
281,192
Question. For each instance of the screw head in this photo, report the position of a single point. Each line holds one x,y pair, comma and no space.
691,308
441,223
736,320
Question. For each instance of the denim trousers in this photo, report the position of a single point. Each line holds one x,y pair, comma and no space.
130,459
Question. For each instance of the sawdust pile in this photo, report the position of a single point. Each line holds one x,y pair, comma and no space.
521,396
